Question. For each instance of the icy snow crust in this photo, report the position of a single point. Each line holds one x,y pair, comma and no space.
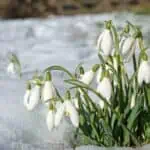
40,43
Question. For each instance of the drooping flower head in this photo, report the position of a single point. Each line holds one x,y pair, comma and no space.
105,88
48,91
105,40
144,70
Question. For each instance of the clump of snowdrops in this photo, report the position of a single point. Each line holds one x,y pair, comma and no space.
119,113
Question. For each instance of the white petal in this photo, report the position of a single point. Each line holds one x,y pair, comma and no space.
144,73
26,98
105,88
99,40
73,114
59,115
87,77
11,68
34,98
48,91
128,48
50,120
107,43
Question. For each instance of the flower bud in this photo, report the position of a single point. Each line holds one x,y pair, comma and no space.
50,120
27,95
48,91
105,89
105,42
128,48
144,72
34,98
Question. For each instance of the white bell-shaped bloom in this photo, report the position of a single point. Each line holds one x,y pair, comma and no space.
27,97
105,42
11,69
50,120
59,114
144,72
67,108
105,89
72,112
34,98
88,77
128,48
48,91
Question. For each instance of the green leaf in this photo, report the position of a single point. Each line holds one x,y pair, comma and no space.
59,68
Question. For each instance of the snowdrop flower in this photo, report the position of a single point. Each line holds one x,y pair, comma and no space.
105,89
27,95
88,76
34,97
11,69
144,72
72,113
128,48
50,120
48,91
69,109
105,42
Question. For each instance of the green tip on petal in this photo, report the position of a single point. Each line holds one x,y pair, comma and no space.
81,69
68,95
48,76
95,67
144,56
51,106
106,74
28,87
108,24
127,29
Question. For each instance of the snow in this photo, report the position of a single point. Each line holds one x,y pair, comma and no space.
40,43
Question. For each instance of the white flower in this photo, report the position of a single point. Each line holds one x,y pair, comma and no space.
48,91
144,72
105,42
34,98
11,69
105,89
59,114
67,108
128,47
87,77
50,120
27,97
72,112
